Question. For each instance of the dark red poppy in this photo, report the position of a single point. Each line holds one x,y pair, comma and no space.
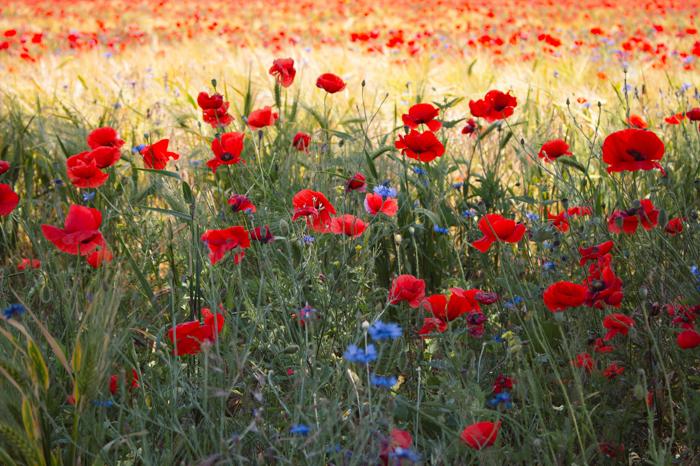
4,166
502,384
688,339
114,382
283,70
481,434
564,295
315,207
471,127
432,325
420,146
627,221
356,183
375,204
494,106
561,220
257,234
157,155
674,226
188,337
8,200
422,114
496,228
604,287
214,109
693,114
613,370
26,263
227,150
80,233
599,346
104,137
347,225
552,150
241,203
584,361
595,252
633,149
330,83
617,324
301,141
262,118
407,288
83,171
220,242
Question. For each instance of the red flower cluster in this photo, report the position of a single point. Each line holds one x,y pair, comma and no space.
460,302
496,228
189,337
214,109
494,106
627,221
85,169
80,235
561,220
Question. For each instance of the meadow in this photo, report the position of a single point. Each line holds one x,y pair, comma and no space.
349,233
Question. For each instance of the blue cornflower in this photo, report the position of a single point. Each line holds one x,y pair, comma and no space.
533,217
384,381
380,331
419,171
58,182
308,239
138,149
405,454
13,310
695,271
300,429
356,355
498,339
384,191
439,229
103,403
89,196
513,302
501,398
457,185
549,265
307,312
469,213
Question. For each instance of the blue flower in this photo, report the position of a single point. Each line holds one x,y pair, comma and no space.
89,196
384,191
419,171
356,355
405,454
513,302
380,331
695,271
439,229
549,265
138,149
469,213
501,398
13,310
103,403
533,217
384,381
308,239
300,429
58,182
457,185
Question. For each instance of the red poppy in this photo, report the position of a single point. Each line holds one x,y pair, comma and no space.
262,118
348,225
496,228
627,221
502,384
227,150
375,204
561,220
613,370
4,166
214,109
99,256
432,325
105,156
494,106
471,127
83,171
301,141
330,83
315,207
595,252
617,324
584,361
241,203
675,119
356,183
693,114
407,288
481,434
220,242
80,233
114,382
674,226
8,200
26,263
398,439
604,287
422,114
552,150
563,295
637,121
599,346
688,339
188,337
633,149
459,303
420,146
104,137
157,155
262,236
283,70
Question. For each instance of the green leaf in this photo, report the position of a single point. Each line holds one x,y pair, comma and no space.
568,161
160,172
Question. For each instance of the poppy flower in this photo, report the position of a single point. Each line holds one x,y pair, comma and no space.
459,303
422,114
315,207
258,235
301,141
424,146
283,71
214,109
563,295
26,263
502,384
627,221
227,150
561,220
471,127
8,199
481,434
105,156
104,137
674,226
157,155
494,106
330,83
4,166
80,233
604,287
688,339
114,382
633,149
617,324
262,118
637,121
220,242
83,171
599,346
552,150
400,441
432,325
496,228
407,288
348,225
99,256
375,204
241,203
356,182
693,114
584,361
595,252
188,337
675,119
613,370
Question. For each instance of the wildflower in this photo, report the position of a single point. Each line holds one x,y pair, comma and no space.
407,288
356,355
220,242
501,398
283,70
83,171
214,109
552,150
674,226
419,171
612,371
356,183
481,434
469,213
13,310
26,263
330,83
315,207
227,150
633,149
636,121
380,331
103,403
599,346
627,221
405,454
308,239
384,190
533,217
104,137
584,361
383,381
8,200
89,196
439,229
398,446
188,337
301,141
157,155
496,228
423,113
80,234
688,339
549,266
595,252
347,225
424,146
265,237
261,118
502,384
494,106
471,127
616,324
4,166
300,429
376,204
138,148
241,203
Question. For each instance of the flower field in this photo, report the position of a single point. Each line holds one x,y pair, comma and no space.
349,232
